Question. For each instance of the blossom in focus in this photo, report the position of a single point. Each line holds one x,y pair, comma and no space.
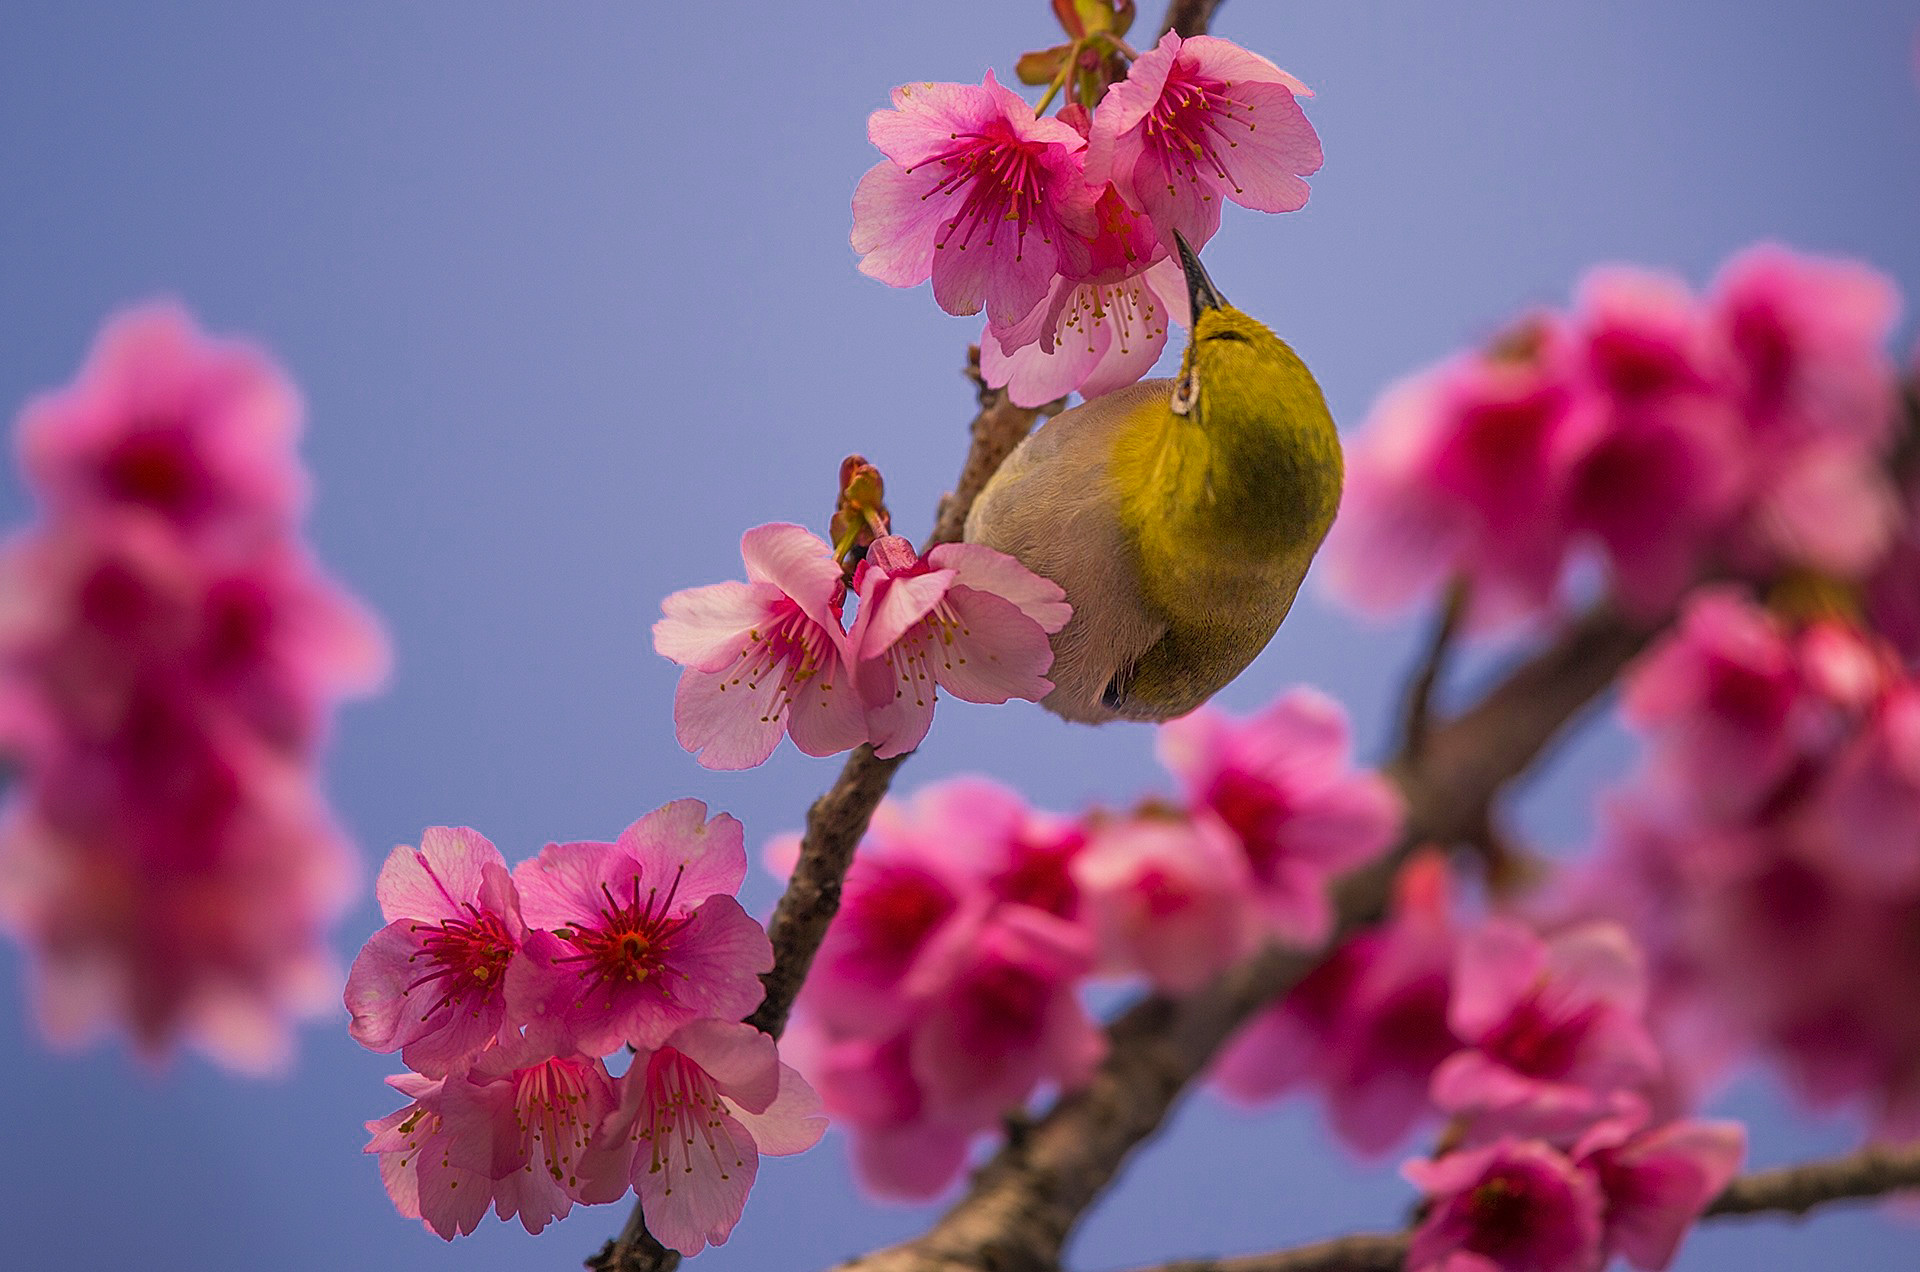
1554,1029
1169,897
1198,121
520,1122
764,657
1086,337
169,656
1368,1026
641,936
1654,1183
1512,1206
1283,782
975,193
431,984
965,618
694,1117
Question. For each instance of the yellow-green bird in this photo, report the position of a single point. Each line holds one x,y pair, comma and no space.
1179,516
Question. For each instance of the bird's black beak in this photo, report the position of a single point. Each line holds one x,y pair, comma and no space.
1201,292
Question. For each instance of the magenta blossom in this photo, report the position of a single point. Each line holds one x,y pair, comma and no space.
696,1115
763,657
642,935
1369,1025
1198,121
1170,897
977,194
1282,781
1655,1183
1554,1027
431,984
517,1128
1512,1206
965,618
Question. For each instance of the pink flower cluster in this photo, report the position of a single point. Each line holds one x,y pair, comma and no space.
169,657
1670,436
772,655
1062,228
1769,851
505,990
949,986
1556,1161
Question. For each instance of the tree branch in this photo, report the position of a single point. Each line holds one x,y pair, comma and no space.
1189,17
1023,1204
1416,716
1791,1190
838,819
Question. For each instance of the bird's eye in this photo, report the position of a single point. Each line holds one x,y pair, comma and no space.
1228,334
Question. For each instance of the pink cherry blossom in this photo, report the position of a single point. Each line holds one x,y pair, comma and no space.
197,433
1282,781
1655,1183
1555,1028
694,1118
1512,1206
431,984
518,1128
1368,1025
1456,474
967,619
976,193
1169,896
1086,337
1201,120
169,657
642,935
763,657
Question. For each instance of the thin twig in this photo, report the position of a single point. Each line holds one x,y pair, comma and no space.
1416,717
1190,17
838,819
1023,1204
1790,1190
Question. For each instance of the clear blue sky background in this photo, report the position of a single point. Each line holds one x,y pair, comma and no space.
568,289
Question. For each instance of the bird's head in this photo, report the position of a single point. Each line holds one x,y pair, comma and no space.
1228,353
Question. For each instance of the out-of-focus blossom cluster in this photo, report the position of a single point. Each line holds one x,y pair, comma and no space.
169,657
773,655
505,991
948,989
1063,228
1768,853
1674,437
1559,1156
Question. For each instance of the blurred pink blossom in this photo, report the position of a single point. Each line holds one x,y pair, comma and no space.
1512,1206
1655,1183
1169,897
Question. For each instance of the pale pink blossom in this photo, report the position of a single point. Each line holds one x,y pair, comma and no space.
431,984
694,1118
976,193
1198,121
1869,806
763,657
965,618
1368,1026
1655,1183
1283,782
1169,897
1086,337
642,935
1555,1028
1512,1206
518,1127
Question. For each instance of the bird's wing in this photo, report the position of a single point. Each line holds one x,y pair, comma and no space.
1053,507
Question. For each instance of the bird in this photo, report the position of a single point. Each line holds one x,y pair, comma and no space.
1178,515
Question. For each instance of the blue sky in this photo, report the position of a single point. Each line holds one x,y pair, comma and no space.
568,290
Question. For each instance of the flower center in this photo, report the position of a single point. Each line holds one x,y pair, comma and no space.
684,1114
1190,126
465,956
790,653
998,179
1541,1039
629,940
154,467
551,1108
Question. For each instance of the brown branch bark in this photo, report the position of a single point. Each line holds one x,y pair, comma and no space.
1190,17
838,819
1023,1204
1790,1190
